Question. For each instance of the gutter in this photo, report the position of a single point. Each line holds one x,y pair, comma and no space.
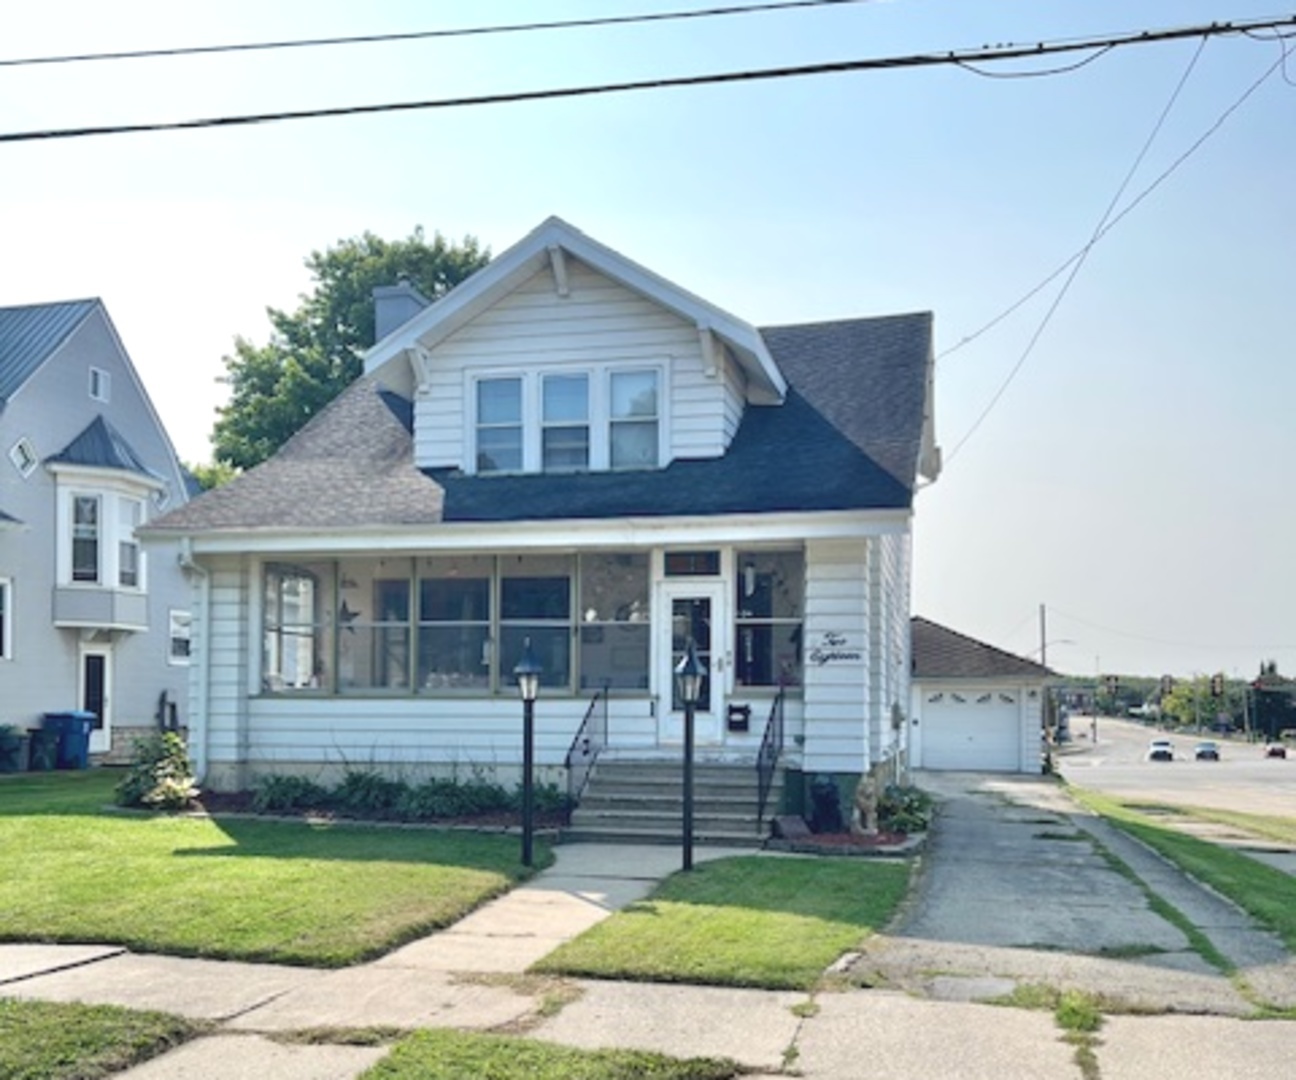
200,694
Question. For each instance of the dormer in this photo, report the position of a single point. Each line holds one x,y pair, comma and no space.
564,356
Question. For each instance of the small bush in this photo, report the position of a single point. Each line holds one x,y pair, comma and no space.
546,799
904,809
284,794
365,793
161,775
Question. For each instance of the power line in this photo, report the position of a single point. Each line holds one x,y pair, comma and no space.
958,58
423,35
1084,253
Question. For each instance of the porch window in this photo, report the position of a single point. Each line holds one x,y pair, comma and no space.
454,630
633,432
770,606
373,624
85,538
565,433
499,425
298,622
536,603
614,627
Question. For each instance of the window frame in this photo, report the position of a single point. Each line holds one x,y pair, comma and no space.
100,385
745,619
179,628
6,618
24,458
78,499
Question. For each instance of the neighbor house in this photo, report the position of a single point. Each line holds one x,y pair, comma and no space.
88,620
975,707
570,450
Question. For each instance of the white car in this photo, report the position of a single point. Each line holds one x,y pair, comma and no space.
1160,750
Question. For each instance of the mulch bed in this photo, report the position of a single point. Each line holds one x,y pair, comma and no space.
240,802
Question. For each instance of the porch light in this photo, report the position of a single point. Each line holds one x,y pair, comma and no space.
527,672
689,673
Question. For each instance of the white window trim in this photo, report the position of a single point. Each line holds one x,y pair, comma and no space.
23,456
600,413
100,385
182,620
7,626
111,493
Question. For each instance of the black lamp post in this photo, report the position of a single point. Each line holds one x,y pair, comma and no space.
688,674
527,673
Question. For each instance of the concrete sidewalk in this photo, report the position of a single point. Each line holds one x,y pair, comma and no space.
471,977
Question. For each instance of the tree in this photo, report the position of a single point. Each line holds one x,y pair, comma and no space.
212,475
315,351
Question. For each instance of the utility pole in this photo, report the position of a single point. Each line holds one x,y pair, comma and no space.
1043,640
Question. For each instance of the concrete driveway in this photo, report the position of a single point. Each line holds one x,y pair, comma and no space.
1020,885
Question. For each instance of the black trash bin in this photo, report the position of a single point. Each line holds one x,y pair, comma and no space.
73,728
44,749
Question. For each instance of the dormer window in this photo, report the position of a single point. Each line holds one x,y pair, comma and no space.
499,425
565,438
633,434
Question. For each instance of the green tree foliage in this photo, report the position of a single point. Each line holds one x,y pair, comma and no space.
212,475
315,351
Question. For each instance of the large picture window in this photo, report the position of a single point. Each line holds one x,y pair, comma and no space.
770,606
614,628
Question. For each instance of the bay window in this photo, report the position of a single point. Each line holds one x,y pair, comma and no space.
130,514
85,538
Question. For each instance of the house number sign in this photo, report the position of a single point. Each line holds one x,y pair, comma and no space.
834,648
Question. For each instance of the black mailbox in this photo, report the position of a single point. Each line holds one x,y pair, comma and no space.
739,717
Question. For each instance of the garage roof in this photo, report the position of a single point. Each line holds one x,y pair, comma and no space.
942,653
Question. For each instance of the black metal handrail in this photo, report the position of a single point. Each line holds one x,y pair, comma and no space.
770,748
591,738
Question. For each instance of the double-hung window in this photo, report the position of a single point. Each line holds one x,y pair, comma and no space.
85,538
499,425
632,434
130,514
565,433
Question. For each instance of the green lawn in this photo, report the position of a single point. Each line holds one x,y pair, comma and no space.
767,922
42,1040
76,871
1266,894
456,1055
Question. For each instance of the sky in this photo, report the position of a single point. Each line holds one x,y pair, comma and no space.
1115,449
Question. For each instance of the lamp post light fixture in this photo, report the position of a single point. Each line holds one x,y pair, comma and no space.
527,672
688,674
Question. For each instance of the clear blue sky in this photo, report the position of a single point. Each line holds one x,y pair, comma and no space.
1134,476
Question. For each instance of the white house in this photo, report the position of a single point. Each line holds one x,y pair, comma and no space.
88,620
974,706
569,449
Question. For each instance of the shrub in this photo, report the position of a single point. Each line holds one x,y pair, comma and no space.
546,799
161,775
904,809
283,794
365,793
435,799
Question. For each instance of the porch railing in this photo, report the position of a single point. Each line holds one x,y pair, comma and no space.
591,738
766,760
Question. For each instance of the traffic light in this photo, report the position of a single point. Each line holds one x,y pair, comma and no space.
1217,686
1112,683
1167,685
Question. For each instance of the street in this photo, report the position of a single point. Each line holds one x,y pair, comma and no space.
1242,780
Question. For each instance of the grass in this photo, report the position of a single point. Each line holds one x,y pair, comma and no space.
1280,829
764,922
278,892
1266,894
455,1055
42,1040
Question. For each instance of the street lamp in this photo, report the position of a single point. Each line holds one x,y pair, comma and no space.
688,676
527,673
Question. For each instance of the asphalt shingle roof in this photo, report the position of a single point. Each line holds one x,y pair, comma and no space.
941,653
30,333
102,446
847,436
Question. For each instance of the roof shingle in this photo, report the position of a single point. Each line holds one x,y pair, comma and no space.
941,653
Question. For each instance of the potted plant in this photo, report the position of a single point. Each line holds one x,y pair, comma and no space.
13,749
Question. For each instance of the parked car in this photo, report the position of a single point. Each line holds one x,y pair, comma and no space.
1206,751
1160,750
1275,749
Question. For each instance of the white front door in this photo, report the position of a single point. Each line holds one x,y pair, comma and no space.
95,694
695,611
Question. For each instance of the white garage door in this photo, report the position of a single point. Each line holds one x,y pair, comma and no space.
971,729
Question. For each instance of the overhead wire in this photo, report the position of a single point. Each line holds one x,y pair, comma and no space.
424,35
957,58
1079,262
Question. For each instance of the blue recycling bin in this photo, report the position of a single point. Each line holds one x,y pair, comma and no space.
73,728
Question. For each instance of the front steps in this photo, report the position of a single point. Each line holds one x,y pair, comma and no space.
642,802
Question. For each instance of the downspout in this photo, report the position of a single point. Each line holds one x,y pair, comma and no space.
199,693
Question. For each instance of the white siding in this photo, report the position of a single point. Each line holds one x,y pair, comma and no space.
228,654
599,322
889,637
837,690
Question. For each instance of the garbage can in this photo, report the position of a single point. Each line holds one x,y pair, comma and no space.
73,728
44,749
13,749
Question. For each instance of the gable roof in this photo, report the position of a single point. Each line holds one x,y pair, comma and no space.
534,252
847,437
941,653
30,334
102,446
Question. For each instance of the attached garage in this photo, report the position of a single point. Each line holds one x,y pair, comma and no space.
975,707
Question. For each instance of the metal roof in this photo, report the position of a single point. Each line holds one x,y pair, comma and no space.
29,334
102,446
